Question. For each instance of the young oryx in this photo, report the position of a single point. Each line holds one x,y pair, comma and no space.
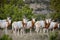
54,25
47,24
39,25
30,24
24,22
5,23
16,26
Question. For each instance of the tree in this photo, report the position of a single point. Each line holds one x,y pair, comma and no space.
27,11
15,9
17,14
6,11
15,2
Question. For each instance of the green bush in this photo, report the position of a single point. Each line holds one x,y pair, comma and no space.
5,37
53,35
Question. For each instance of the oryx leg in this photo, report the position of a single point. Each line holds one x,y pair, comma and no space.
47,30
30,30
44,30
53,29
21,31
18,32
6,30
40,30
37,30
14,31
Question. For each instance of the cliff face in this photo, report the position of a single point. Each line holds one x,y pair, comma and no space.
39,6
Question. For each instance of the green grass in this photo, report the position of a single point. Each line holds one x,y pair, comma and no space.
5,37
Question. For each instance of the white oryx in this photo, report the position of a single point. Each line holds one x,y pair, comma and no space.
5,23
25,20
16,26
53,25
47,24
19,25
39,25
30,24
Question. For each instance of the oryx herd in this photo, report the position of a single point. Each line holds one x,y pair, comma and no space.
20,26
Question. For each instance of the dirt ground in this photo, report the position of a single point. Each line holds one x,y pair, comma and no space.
26,36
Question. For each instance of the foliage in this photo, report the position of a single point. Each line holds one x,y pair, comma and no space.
55,4
5,37
15,10
55,16
27,11
17,3
53,35
40,16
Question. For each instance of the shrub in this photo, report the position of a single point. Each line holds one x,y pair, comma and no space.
5,37
53,35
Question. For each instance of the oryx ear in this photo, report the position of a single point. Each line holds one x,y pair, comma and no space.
8,18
